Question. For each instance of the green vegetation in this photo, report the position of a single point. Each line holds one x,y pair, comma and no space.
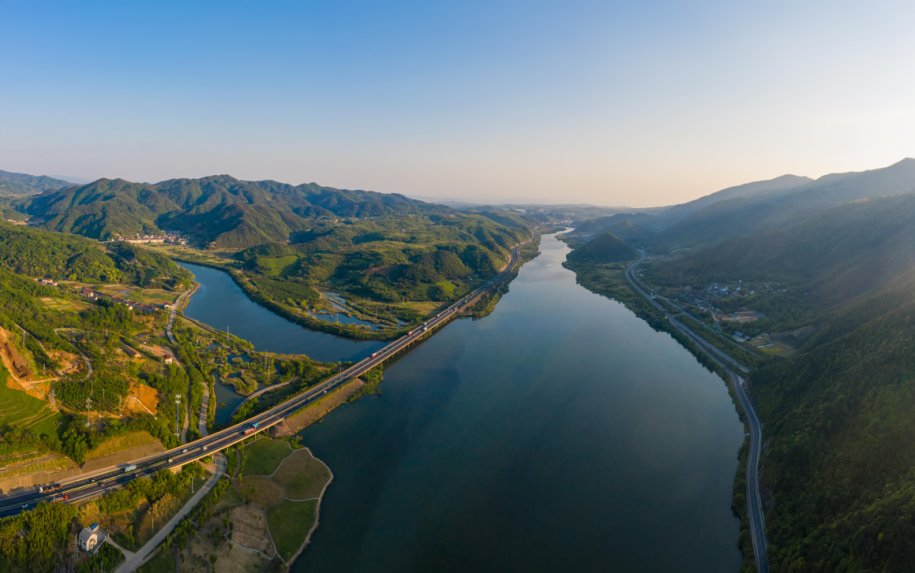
35,541
220,209
263,456
302,475
237,507
129,513
604,248
23,418
378,265
287,525
37,253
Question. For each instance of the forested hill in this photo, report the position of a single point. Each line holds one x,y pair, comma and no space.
20,184
826,274
39,253
218,209
604,248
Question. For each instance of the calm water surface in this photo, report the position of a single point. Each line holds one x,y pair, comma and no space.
221,303
561,433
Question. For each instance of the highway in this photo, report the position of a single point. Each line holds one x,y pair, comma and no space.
731,367
90,485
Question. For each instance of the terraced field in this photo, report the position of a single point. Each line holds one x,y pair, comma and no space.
19,409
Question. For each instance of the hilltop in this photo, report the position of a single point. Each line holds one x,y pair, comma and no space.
604,248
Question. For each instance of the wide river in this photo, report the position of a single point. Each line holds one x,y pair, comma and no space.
560,433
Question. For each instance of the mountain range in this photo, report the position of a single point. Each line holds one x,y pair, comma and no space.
218,210
22,184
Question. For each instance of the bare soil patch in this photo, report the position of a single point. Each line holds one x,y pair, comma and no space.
249,529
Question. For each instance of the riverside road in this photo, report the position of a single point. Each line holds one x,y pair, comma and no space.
729,365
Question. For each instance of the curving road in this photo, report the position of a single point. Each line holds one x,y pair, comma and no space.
98,482
729,365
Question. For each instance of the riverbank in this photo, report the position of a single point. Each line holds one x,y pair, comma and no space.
610,280
262,518
303,318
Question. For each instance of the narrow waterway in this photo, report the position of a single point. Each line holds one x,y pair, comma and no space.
223,305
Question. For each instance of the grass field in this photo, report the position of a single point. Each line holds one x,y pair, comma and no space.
120,443
263,456
33,463
302,475
289,524
19,409
63,305
143,295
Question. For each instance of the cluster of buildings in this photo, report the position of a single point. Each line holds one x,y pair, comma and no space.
93,294
167,238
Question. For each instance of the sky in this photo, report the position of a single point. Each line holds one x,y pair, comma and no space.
637,103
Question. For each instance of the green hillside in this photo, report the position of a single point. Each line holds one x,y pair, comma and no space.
218,209
604,248
38,253
839,461
810,267
384,260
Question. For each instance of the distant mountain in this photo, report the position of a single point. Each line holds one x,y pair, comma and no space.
633,228
744,214
604,248
218,209
21,184
754,190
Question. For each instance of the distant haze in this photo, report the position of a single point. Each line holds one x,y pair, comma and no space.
611,103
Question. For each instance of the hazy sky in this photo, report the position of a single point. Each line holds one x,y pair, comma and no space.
637,103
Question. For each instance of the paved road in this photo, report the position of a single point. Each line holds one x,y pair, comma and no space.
729,365
179,302
134,560
90,485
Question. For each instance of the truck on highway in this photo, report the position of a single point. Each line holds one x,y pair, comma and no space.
49,487
129,468
59,498
250,429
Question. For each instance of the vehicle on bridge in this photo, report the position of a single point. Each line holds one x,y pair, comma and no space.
251,428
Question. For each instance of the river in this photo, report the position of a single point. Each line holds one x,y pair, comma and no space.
222,304
560,432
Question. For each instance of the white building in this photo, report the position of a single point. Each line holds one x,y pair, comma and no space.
91,538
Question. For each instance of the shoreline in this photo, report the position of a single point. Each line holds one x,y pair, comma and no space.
320,498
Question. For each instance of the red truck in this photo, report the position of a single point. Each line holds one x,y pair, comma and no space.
251,428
